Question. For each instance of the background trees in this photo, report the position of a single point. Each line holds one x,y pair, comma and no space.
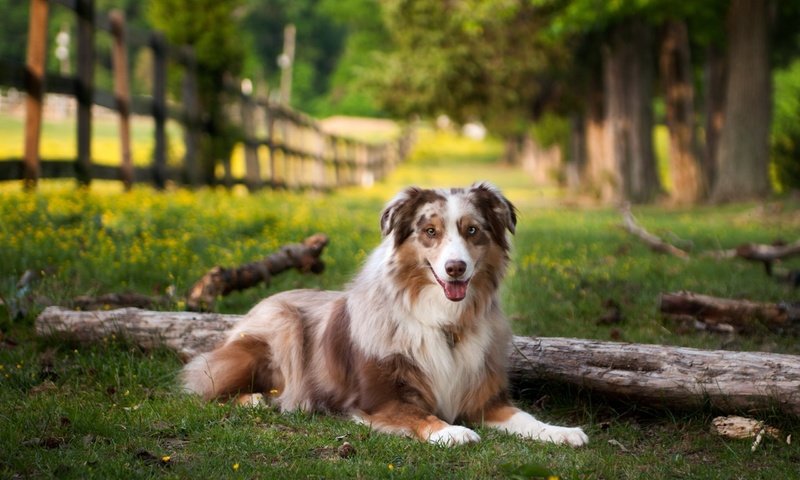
599,79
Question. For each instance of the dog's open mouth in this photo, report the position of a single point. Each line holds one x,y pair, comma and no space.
454,290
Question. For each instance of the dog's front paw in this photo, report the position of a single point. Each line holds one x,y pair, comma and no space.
563,435
453,435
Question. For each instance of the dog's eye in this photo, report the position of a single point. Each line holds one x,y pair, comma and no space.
472,231
430,231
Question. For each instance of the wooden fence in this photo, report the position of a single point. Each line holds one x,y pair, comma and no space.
283,148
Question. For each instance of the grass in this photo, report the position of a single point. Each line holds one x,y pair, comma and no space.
111,409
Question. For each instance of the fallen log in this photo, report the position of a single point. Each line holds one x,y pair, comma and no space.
741,315
657,374
664,375
221,281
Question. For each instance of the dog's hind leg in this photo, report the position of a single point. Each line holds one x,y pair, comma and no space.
239,366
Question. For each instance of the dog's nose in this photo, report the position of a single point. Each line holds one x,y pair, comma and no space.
455,268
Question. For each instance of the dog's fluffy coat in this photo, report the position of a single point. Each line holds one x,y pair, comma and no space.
416,342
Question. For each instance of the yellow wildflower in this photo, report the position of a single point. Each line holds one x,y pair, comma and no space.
235,467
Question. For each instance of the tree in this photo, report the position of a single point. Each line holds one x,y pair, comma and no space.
676,76
743,154
628,80
471,60
319,45
212,29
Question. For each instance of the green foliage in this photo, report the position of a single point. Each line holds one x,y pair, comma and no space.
14,30
319,42
471,60
209,26
785,135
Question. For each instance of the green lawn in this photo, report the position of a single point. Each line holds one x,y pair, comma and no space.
112,410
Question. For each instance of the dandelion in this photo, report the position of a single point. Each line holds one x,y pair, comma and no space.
235,467
390,466
165,459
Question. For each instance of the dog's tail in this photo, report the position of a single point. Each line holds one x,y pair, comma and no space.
239,366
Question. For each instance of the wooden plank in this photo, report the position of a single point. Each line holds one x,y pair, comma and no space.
191,122
85,87
122,93
158,46
12,74
34,87
252,166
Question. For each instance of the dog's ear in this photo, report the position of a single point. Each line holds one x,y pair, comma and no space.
399,214
396,207
500,213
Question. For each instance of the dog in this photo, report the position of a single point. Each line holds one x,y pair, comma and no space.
416,343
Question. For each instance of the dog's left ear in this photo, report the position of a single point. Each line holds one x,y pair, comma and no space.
498,210
398,215
393,210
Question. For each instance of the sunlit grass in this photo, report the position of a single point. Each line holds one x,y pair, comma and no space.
59,140
111,410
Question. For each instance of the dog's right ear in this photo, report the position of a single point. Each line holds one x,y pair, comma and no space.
397,208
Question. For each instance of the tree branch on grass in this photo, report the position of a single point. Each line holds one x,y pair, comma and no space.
664,375
729,314
767,254
654,242
222,281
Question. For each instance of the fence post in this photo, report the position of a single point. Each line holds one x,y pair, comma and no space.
191,118
252,166
334,147
159,47
191,126
85,89
34,88
122,92
322,144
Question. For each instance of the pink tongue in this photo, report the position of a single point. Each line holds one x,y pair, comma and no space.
455,291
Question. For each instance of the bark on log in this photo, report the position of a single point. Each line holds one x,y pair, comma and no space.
118,300
188,333
222,281
663,375
669,376
742,315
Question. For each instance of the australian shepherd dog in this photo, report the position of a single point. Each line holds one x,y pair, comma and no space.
416,345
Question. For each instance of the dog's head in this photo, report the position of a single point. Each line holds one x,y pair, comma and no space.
448,237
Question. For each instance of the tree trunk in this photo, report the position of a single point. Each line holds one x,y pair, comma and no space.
716,72
628,70
600,176
676,74
669,376
576,162
743,155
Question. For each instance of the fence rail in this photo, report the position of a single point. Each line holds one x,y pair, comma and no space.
299,154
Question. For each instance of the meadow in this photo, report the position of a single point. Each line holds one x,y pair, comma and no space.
112,409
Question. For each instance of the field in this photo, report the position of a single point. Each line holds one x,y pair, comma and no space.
112,410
